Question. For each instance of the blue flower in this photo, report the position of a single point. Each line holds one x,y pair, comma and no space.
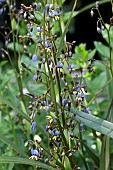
47,9
55,133
39,31
34,152
43,105
64,101
33,126
60,65
71,67
34,58
47,109
2,0
86,110
35,77
47,128
48,46
82,127
54,14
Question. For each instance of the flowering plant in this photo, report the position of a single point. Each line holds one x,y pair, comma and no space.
56,100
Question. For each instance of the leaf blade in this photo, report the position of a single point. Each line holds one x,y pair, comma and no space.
24,161
95,123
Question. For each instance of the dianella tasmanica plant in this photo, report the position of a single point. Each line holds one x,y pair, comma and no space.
53,88
64,88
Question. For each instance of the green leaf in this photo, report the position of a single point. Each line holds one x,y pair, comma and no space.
105,35
102,49
2,63
19,48
22,28
67,163
91,54
12,145
13,24
91,153
95,123
24,161
105,154
15,108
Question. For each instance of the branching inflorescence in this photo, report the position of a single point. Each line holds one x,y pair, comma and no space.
65,88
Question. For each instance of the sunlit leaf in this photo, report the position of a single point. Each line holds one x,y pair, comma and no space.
102,49
18,47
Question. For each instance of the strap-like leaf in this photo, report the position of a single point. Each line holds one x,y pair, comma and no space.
95,123
17,160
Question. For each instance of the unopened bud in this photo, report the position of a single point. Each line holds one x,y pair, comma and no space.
91,13
98,30
97,4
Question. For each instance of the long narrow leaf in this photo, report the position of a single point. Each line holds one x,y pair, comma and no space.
95,123
91,153
14,108
105,155
12,145
25,161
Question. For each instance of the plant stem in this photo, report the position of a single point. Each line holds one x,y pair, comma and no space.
19,81
111,69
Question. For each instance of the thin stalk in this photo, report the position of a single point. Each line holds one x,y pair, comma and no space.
108,32
111,69
98,93
82,154
19,81
59,90
54,99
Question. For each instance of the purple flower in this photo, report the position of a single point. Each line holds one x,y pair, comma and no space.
33,126
2,0
34,152
34,58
